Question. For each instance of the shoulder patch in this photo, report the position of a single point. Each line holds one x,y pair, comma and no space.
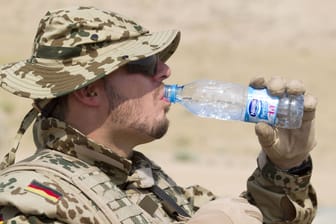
44,191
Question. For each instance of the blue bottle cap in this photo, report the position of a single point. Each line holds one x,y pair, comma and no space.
170,93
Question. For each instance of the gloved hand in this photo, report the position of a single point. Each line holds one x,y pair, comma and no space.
287,148
227,211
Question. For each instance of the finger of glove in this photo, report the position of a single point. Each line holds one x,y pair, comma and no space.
295,87
276,86
266,135
310,104
258,82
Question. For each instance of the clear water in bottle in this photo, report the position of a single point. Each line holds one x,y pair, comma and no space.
229,101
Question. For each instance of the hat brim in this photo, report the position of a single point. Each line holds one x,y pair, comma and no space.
47,78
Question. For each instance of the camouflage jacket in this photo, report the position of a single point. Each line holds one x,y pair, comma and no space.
71,179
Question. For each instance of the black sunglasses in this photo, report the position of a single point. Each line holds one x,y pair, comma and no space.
146,66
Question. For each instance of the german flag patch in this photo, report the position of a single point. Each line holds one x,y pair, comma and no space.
44,191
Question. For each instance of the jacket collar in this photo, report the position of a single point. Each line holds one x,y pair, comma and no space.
57,135
54,134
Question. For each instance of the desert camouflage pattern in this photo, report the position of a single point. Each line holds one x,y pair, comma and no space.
281,196
76,46
98,186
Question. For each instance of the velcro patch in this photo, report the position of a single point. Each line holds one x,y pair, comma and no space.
44,191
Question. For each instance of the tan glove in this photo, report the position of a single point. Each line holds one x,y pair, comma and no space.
227,211
287,148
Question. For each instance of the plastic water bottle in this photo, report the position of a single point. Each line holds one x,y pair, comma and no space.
229,101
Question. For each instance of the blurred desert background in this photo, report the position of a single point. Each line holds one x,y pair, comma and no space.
231,40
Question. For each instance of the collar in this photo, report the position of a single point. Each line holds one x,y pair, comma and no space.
57,135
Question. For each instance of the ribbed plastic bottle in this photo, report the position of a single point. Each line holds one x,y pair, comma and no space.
230,101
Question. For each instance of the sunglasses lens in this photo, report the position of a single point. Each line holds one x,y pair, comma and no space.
146,66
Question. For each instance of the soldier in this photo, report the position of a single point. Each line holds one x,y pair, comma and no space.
96,80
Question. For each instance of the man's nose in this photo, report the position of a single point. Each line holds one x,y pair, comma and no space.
162,72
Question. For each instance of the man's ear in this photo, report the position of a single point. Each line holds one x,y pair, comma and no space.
90,95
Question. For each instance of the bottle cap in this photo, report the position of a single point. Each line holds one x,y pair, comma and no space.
170,93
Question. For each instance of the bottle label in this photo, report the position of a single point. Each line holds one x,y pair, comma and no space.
260,106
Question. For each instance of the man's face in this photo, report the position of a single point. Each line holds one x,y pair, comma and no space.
136,103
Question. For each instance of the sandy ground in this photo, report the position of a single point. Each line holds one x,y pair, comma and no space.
230,40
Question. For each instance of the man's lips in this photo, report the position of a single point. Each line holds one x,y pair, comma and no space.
162,92
165,99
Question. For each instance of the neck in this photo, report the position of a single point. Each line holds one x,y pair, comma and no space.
115,142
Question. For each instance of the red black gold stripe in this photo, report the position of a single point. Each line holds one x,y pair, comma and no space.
44,191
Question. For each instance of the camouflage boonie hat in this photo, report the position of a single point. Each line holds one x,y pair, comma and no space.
76,46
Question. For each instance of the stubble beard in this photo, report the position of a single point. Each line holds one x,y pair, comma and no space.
125,112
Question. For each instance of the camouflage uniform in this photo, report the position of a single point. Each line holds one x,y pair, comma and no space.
66,159
118,186
71,179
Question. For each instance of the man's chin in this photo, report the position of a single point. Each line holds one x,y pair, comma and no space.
154,133
160,130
